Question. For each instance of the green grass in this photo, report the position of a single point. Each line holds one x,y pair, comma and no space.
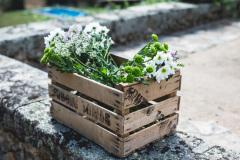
19,17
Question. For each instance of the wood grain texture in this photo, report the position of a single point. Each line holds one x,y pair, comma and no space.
150,134
114,144
87,108
88,87
109,141
137,92
150,114
105,115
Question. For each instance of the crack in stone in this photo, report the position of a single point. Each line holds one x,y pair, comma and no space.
28,103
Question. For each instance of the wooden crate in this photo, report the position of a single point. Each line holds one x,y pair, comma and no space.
120,119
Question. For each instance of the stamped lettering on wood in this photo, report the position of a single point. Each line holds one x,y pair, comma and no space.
65,98
96,113
134,96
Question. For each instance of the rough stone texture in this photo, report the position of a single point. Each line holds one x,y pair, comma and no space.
25,42
197,39
138,22
12,148
25,120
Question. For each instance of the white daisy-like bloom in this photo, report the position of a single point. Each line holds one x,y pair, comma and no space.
153,66
162,73
53,34
160,58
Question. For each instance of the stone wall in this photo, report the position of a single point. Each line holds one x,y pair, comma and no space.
11,148
25,42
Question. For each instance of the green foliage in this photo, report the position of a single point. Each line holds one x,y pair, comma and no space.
230,6
19,17
86,52
154,37
138,59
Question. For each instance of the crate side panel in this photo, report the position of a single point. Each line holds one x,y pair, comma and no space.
150,134
138,92
150,114
88,87
92,131
63,96
87,108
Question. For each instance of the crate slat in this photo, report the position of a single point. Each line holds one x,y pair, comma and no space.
138,92
150,134
150,114
92,131
112,143
128,96
120,125
88,87
87,108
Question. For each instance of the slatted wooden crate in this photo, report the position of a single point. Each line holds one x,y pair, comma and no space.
120,119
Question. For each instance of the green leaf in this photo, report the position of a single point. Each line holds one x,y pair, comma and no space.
104,71
154,37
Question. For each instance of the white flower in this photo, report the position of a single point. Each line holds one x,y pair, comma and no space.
162,73
169,57
93,40
95,27
62,48
150,64
170,63
74,30
147,59
160,58
53,34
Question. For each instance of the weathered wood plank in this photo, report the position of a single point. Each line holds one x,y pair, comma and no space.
150,114
109,141
150,134
137,92
88,87
91,110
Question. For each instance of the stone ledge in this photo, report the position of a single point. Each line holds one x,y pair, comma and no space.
124,24
192,40
24,112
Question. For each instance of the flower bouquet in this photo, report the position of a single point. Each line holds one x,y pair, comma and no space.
87,52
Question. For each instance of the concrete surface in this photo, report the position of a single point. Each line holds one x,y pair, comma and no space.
211,94
192,40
